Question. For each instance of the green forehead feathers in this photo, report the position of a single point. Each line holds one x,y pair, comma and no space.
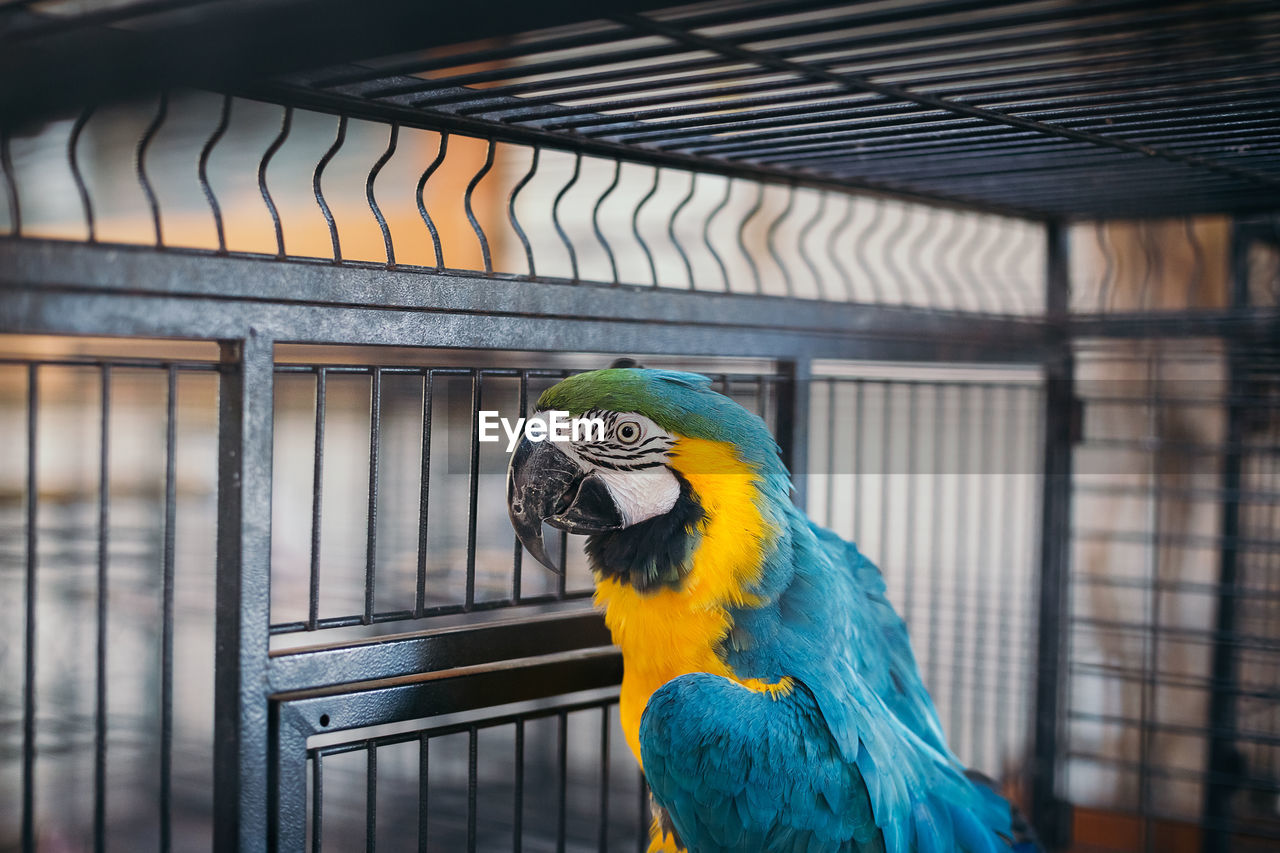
674,401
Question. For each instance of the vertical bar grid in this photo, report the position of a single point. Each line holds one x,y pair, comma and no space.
562,780
166,654
960,588
424,802
517,559
999,438
100,660
1224,752
909,529
754,389
29,646
935,505
1150,636
935,544
473,486
424,495
473,785
984,584
517,817
602,841
859,438
317,489
371,798
317,802
371,549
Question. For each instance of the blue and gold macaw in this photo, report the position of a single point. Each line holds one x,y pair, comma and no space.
769,689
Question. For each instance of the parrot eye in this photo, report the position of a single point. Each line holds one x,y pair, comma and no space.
628,432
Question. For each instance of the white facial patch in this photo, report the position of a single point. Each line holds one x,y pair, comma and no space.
641,495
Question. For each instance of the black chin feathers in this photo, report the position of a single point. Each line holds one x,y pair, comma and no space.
653,554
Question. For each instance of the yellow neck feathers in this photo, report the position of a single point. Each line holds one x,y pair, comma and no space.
668,633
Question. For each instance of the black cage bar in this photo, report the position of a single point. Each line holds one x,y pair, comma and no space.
1002,277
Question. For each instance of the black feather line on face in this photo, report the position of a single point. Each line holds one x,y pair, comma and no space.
653,554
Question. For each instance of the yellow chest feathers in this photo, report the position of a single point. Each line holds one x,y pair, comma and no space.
669,633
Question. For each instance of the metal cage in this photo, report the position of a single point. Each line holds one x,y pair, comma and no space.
1003,278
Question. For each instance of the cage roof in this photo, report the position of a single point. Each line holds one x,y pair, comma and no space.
1059,108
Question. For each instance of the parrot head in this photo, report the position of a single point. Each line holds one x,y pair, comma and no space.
673,455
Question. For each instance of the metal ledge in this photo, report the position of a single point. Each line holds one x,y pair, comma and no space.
436,650
60,287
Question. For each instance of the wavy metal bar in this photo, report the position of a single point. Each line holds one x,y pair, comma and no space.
162,110
742,242
555,215
515,222
990,262
860,249
202,171
845,278
635,224
1010,277
967,230
1028,245
1107,282
315,186
1151,265
422,207
595,218
772,235
285,125
671,226
74,162
805,231
919,250
1196,278
392,138
893,243
706,232
471,217
11,185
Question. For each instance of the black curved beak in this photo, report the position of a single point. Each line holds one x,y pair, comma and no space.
544,484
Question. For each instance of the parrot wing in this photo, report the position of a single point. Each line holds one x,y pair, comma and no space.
743,771
885,659
740,770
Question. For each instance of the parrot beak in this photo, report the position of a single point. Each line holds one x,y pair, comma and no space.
544,484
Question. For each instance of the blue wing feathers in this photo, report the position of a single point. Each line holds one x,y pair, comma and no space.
740,771
853,759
